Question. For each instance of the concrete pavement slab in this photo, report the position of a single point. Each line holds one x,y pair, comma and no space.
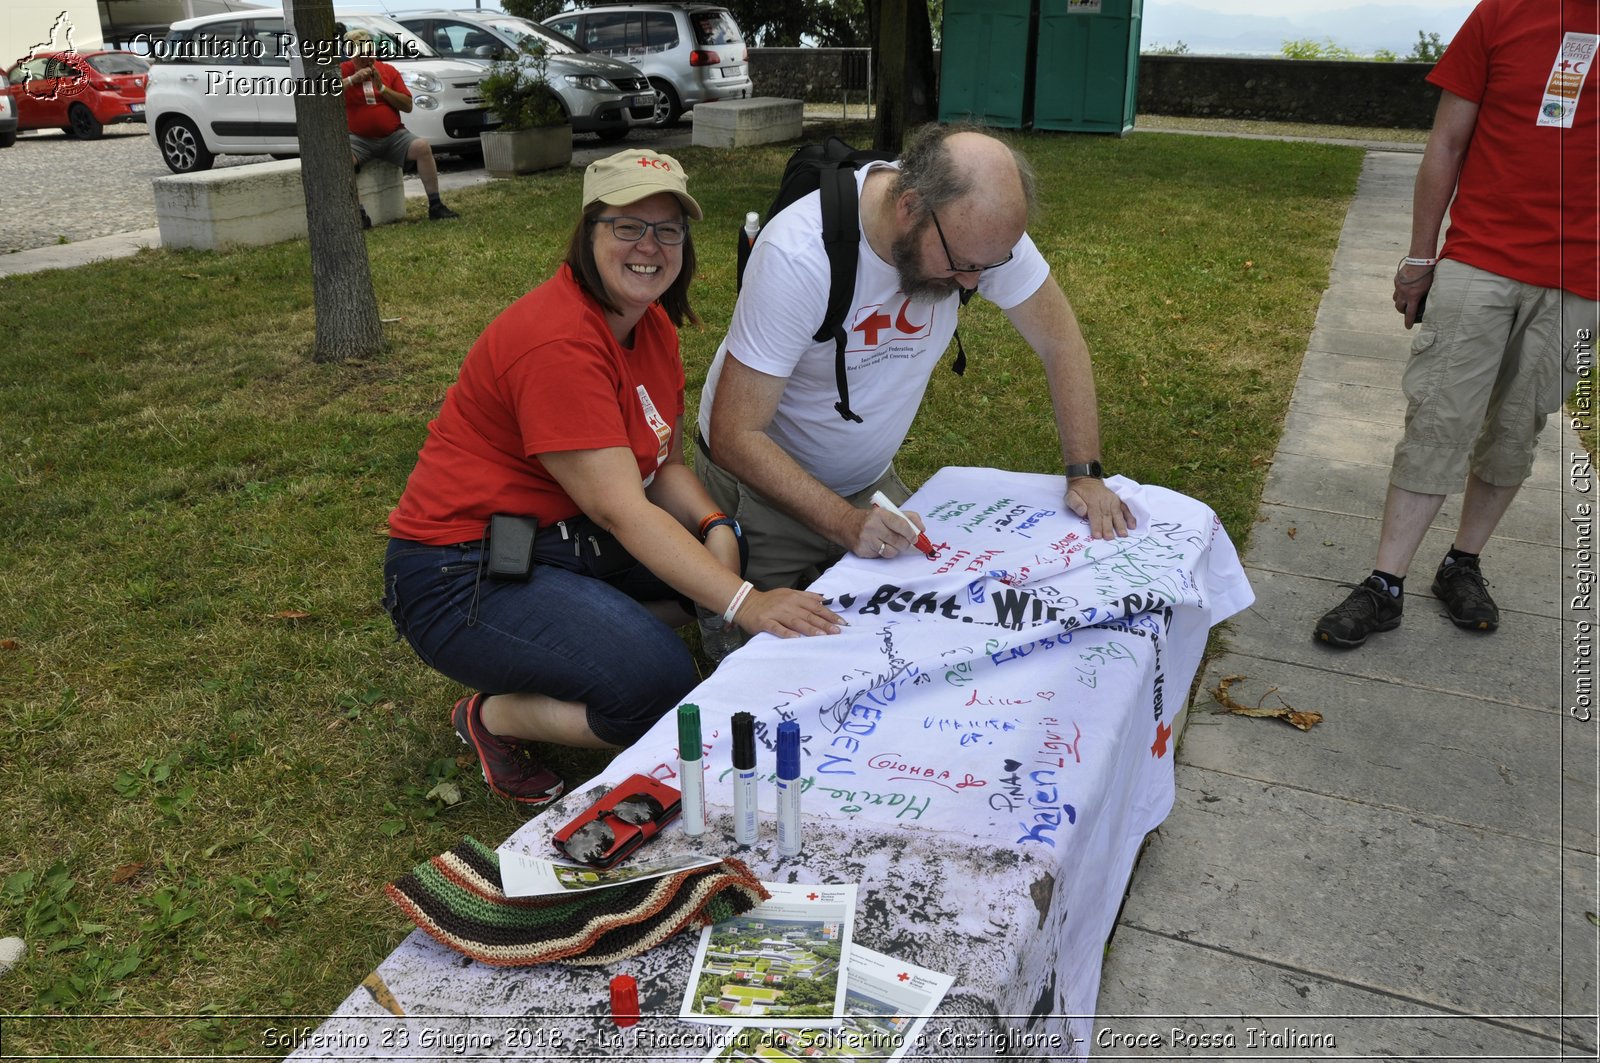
1362,343
1484,764
1362,318
1344,367
1315,426
1270,1011
1394,902
1339,546
1522,662
1341,486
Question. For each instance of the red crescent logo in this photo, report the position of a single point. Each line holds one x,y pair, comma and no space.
905,327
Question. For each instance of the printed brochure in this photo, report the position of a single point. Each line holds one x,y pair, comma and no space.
886,1003
780,964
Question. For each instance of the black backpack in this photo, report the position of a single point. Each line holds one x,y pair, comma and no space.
831,167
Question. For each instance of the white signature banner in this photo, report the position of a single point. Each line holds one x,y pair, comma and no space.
1020,688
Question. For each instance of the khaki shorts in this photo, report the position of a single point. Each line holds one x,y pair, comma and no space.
392,148
1494,358
783,552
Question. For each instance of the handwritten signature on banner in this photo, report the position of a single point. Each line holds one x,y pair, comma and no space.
1093,616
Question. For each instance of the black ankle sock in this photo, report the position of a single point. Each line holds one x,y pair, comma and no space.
1458,555
1395,584
433,199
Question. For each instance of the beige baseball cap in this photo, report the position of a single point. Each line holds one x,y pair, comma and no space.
629,176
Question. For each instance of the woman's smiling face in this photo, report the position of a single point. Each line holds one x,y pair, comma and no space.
637,274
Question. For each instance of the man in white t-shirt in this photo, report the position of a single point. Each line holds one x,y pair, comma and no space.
951,214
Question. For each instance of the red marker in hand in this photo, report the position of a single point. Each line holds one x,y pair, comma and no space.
923,543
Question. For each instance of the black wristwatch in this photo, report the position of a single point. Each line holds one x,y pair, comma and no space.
738,535
1092,468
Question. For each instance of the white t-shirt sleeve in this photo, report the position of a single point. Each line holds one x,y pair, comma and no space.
1015,281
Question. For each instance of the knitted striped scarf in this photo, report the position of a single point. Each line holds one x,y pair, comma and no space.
457,899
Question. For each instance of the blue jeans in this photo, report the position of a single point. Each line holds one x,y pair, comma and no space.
560,633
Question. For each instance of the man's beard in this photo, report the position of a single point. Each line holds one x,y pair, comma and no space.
919,289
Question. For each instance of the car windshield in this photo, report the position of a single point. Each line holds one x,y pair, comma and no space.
715,27
112,63
529,34
394,42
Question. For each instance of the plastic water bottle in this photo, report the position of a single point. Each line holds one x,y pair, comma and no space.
717,637
752,228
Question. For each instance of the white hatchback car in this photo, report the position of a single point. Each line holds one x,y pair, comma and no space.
224,84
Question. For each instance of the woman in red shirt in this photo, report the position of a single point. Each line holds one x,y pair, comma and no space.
568,413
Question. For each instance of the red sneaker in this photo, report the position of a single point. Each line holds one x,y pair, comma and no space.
508,766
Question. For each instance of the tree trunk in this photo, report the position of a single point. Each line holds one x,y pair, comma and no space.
341,277
905,71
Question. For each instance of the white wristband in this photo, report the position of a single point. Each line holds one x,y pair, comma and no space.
738,599
1410,261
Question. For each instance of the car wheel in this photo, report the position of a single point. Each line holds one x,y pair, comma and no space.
7,139
611,136
668,109
181,147
85,126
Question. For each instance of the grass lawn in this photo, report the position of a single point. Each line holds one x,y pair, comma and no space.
217,752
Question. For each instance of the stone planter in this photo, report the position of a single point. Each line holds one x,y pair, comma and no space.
526,150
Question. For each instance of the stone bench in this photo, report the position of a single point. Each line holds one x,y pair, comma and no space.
741,123
262,203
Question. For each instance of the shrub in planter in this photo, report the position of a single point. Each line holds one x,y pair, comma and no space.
534,133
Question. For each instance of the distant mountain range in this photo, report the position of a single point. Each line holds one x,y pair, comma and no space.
1363,29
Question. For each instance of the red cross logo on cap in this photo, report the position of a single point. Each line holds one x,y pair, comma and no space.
659,164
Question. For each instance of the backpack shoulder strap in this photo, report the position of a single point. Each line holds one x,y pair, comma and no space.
841,238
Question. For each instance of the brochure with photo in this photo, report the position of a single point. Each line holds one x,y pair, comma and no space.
886,1003
522,875
780,964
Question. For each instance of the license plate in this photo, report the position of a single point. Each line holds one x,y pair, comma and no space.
136,108
642,101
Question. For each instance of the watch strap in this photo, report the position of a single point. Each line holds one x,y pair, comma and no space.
1092,468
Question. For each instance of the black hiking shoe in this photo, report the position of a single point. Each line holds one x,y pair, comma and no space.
439,212
508,767
1369,608
1460,586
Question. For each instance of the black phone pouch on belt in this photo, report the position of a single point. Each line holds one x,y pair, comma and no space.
510,551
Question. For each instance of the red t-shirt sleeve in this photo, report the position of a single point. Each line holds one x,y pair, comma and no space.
1463,70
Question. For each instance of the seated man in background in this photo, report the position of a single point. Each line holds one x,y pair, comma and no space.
374,96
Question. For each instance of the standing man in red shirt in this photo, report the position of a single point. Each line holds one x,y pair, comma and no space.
1507,307
374,96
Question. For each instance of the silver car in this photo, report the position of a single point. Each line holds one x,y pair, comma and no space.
603,96
692,53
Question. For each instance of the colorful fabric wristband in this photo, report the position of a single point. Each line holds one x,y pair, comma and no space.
711,521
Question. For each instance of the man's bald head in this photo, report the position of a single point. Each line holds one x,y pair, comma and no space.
946,165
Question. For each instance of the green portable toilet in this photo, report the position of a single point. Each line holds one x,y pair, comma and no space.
985,65
1087,74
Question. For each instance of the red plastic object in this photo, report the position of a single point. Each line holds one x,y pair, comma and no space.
624,1000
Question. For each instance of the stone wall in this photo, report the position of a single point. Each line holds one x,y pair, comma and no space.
1391,95
815,75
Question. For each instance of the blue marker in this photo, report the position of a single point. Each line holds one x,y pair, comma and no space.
789,788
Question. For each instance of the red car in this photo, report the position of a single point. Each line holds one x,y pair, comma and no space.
79,93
